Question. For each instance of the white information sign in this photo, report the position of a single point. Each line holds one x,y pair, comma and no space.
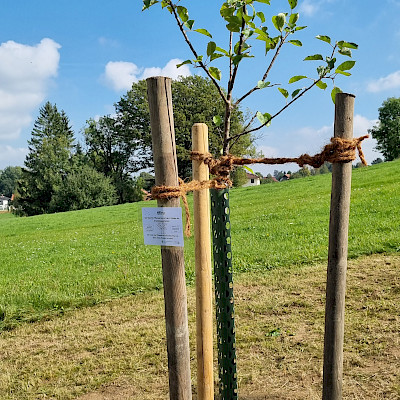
163,226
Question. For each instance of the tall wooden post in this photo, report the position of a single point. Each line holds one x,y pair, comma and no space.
337,256
204,310
166,173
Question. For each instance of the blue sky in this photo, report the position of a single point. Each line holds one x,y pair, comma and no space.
84,55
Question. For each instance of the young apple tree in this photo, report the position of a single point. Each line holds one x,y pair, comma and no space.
247,25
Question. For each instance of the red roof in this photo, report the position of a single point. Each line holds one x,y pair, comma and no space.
252,176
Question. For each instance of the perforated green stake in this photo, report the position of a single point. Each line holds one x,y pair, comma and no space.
224,294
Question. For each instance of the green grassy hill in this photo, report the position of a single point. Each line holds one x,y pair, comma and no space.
51,263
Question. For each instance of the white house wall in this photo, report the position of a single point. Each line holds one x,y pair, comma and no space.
249,183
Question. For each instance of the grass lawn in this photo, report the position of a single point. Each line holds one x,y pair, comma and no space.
52,263
116,350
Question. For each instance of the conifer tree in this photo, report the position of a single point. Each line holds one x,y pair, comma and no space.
47,162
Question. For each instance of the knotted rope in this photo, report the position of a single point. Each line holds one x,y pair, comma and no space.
338,151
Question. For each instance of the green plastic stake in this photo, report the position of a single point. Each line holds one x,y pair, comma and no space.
221,228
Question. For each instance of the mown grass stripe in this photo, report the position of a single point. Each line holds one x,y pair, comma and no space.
53,262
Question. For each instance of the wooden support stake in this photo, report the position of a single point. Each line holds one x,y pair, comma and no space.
204,310
337,256
166,173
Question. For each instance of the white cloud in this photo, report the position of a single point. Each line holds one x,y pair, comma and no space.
391,81
169,70
25,72
312,140
310,7
14,156
268,151
106,42
362,124
120,75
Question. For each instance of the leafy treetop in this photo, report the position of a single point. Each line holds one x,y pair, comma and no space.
387,131
246,24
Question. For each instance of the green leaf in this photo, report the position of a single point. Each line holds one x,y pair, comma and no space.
211,46
189,24
261,16
346,66
183,63
234,23
232,27
296,42
203,32
236,59
293,18
148,3
284,92
242,46
349,45
262,84
322,71
326,39
214,56
183,13
217,120
226,10
296,78
222,50
279,21
264,118
274,41
292,3
247,18
248,169
247,33
322,85
295,93
215,73
343,72
262,35
345,52
299,28
264,1
314,57
335,90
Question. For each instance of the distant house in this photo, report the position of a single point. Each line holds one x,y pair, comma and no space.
252,180
4,203
269,179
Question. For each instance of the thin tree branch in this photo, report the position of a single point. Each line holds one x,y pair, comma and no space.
250,122
235,68
231,84
246,132
278,49
213,80
230,58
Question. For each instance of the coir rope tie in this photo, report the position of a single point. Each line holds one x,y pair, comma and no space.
338,151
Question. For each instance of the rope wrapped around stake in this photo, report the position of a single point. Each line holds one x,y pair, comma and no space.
338,151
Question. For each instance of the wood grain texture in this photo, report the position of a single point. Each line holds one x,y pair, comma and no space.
337,256
204,310
173,267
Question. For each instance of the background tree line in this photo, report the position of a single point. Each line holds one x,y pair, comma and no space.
60,174
114,163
